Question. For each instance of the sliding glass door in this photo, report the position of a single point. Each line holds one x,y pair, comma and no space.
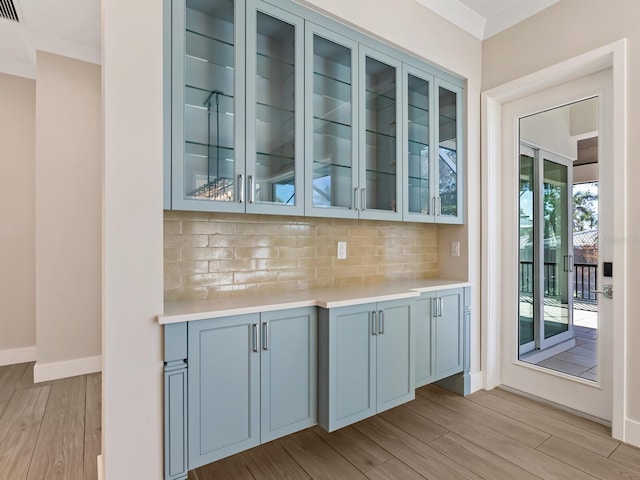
546,250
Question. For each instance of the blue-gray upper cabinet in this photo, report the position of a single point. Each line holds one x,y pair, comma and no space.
207,105
433,175
439,339
224,387
288,372
275,105
366,361
380,153
331,116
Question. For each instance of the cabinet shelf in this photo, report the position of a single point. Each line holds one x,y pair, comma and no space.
333,79
380,172
208,37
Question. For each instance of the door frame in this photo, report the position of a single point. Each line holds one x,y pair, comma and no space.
612,56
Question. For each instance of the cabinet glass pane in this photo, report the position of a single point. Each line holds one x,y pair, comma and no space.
526,274
332,128
418,144
275,116
448,152
380,142
209,101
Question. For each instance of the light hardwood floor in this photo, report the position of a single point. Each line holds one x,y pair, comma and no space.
489,435
49,430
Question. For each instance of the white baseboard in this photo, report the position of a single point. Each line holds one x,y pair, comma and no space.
17,355
476,381
43,372
632,432
100,468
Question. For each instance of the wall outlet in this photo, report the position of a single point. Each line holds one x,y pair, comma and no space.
342,250
455,249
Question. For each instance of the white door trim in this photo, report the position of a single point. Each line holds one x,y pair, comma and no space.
612,56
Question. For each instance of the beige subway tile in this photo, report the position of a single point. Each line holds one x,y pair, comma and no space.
306,241
311,262
362,251
172,254
354,271
295,274
186,267
349,261
194,293
296,252
255,229
328,250
219,291
332,231
391,269
364,231
286,286
315,283
172,282
256,252
207,253
187,216
349,281
243,265
172,226
275,263
296,229
207,279
257,276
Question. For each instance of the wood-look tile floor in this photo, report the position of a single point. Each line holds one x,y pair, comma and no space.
48,430
488,435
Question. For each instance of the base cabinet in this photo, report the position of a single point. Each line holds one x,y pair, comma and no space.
440,335
252,378
366,361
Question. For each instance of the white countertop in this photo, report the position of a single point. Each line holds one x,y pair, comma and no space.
185,311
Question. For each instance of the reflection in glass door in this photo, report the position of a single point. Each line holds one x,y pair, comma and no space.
546,252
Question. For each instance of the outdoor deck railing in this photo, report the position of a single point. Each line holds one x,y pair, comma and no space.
585,280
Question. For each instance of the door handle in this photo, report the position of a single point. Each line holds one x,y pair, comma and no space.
363,199
607,291
380,322
240,188
255,337
252,189
354,200
265,336
374,327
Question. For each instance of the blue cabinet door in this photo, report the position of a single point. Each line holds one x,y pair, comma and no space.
224,387
288,372
449,338
395,353
424,340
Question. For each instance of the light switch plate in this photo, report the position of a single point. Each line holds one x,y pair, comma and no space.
342,250
455,249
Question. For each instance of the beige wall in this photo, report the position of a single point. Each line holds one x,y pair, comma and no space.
68,209
17,211
568,29
208,255
132,61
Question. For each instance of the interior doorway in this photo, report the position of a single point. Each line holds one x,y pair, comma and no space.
558,230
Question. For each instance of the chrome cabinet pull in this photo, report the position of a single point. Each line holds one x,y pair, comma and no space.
381,322
433,205
363,199
434,307
255,337
265,336
354,200
240,188
440,306
374,328
252,189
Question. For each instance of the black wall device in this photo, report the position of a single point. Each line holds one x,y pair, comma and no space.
608,269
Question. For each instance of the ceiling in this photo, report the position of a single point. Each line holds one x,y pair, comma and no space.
72,27
485,18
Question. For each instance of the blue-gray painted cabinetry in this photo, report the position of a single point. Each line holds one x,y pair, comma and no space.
441,339
275,108
366,361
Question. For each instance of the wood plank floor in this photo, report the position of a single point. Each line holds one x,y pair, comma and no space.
489,435
48,430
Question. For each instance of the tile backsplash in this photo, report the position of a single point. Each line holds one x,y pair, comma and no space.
208,255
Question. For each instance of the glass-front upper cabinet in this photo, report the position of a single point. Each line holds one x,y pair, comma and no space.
418,135
207,106
331,140
380,148
449,179
275,102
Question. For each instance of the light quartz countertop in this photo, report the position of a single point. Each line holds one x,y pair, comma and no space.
186,311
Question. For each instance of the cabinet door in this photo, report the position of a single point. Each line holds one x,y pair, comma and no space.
418,135
449,333
423,339
288,372
275,102
224,387
449,172
207,105
380,148
395,354
331,115
349,389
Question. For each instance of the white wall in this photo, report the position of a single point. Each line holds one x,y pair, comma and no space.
564,31
132,239
17,211
132,76
68,217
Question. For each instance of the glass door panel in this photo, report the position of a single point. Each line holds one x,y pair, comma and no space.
447,152
381,153
419,189
275,104
526,274
331,123
558,293
209,166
